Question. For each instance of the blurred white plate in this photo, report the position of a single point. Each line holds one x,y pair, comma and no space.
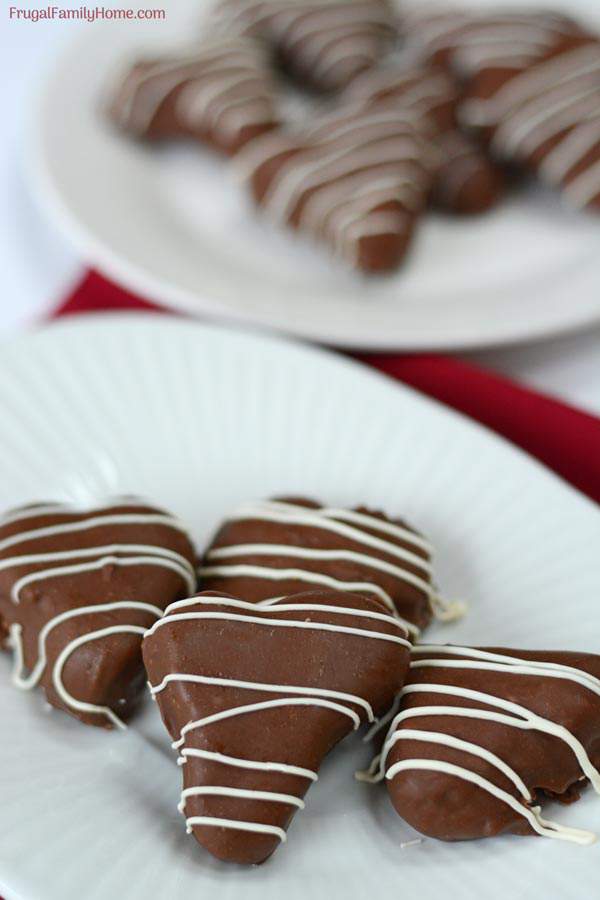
172,226
200,419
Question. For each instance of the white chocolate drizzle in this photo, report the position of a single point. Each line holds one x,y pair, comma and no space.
171,617
221,562
258,827
49,531
236,824
38,510
477,42
284,768
94,558
500,711
352,706
150,555
257,686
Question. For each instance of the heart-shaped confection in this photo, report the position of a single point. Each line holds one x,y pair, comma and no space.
220,92
468,182
254,698
77,591
323,44
482,736
281,547
356,180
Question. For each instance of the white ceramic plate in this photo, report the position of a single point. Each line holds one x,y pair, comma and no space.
172,226
200,419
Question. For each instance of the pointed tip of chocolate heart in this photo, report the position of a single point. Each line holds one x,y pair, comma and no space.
254,697
482,735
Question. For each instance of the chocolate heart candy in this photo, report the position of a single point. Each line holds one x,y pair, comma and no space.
281,547
221,93
254,698
356,180
77,591
482,736
321,43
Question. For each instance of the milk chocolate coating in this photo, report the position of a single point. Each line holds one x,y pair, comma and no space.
107,671
446,807
321,44
373,669
409,600
220,93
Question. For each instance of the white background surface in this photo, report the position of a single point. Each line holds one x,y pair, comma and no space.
38,266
